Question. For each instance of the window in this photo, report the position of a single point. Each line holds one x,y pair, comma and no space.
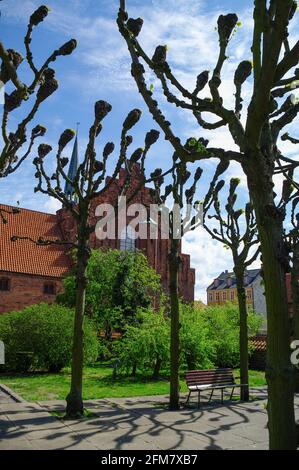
4,284
223,295
232,295
249,294
49,288
217,296
211,296
127,239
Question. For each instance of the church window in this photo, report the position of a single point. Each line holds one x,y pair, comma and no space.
127,239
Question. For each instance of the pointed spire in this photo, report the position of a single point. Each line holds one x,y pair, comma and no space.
69,190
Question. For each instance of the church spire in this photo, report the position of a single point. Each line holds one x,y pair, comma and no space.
69,190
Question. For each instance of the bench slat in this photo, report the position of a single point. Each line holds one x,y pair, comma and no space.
210,378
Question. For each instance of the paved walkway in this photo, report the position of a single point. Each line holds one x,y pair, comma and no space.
137,423
4,398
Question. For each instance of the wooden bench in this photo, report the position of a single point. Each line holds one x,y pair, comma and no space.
211,379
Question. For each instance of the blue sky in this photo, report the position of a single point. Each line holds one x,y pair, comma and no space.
100,69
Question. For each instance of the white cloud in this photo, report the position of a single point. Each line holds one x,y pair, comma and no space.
208,257
51,205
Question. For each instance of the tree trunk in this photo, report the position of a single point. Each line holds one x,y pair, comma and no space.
74,408
134,368
295,302
279,371
174,262
190,362
243,335
157,368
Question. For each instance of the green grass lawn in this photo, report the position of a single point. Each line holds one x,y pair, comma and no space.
98,383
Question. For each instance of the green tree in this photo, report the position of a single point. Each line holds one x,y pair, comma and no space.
120,282
223,323
196,345
146,346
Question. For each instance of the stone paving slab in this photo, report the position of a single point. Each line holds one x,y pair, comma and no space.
16,407
136,423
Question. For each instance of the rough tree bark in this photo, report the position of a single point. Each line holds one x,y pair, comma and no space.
174,263
295,302
180,222
279,371
74,400
157,368
244,377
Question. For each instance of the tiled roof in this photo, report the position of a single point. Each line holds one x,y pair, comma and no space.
259,343
24,256
222,281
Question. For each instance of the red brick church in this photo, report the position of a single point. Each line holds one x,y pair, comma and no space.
31,274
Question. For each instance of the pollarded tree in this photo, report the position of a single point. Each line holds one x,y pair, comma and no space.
43,85
289,204
184,215
290,197
274,59
89,181
238,233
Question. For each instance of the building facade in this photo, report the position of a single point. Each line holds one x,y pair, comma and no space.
224,289
32,274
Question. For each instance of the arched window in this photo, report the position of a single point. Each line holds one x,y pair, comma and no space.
127,239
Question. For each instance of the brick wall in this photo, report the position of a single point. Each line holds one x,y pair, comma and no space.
28,289
25,290
156,251
257,359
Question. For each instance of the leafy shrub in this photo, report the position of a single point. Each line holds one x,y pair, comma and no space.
197,348
120,282
145,345
209,337
223,323
40,338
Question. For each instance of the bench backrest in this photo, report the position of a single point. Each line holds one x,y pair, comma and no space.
210,376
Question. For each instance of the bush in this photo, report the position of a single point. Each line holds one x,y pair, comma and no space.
209,337
120,282
197,348
223,323
145,345
40,338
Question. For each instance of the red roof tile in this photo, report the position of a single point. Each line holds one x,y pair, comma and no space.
259,343
24,256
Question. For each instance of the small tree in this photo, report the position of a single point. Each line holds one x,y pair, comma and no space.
197,345
145,346
181,220
223,324
120,282
239,235
43,85
89,181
